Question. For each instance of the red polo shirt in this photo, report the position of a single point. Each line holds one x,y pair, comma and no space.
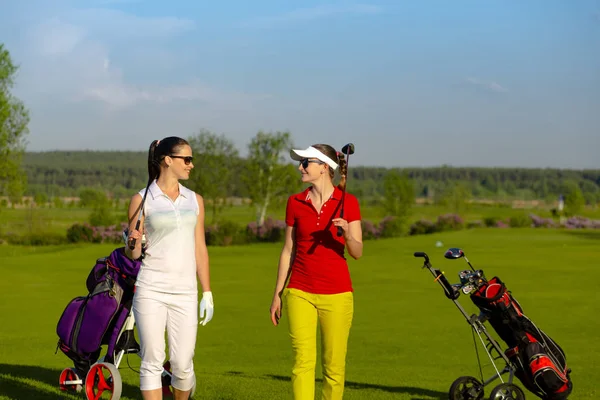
319,265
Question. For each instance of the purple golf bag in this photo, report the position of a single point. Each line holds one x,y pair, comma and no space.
90,321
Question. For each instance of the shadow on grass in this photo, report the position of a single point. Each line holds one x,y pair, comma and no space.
592,235
416,393
14,386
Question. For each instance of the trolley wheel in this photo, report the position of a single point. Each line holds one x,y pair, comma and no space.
70,381
466,388
103,381
507,391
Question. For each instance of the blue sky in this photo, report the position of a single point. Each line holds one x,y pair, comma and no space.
410,83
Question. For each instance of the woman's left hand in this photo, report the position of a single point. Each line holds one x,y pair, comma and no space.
341,223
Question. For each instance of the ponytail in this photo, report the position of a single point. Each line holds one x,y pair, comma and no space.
153,163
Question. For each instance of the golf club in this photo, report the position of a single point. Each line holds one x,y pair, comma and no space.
137,224
454,253
347,150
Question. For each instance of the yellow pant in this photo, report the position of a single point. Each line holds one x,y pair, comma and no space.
334,313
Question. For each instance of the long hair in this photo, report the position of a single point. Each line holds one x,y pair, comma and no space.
159,149
338,157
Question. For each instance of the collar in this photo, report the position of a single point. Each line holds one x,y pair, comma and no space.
155,190
304,195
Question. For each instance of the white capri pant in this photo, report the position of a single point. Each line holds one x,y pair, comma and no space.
178,313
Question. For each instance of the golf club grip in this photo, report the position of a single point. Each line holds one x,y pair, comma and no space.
419,254
133,240
340,231
448,289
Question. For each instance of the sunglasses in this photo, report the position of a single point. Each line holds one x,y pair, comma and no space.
306,161
186,159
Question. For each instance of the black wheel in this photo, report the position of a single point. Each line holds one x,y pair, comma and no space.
507,391
466,388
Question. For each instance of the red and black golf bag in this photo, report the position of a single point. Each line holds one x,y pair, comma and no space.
540,361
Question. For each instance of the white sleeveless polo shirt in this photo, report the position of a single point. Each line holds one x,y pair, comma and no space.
169,264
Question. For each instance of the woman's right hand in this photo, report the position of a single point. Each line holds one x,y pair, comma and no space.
134,234
276,309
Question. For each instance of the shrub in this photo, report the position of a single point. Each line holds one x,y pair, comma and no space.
490,221
475,224
539,222
392,227
370,230
422,227
102,216
224,233
449,222
520,221
271,230
80,233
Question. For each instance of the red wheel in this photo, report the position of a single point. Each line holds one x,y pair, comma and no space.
103,381
69,381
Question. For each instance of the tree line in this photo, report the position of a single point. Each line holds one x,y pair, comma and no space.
220,170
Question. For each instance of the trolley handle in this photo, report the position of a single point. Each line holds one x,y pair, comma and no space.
450,291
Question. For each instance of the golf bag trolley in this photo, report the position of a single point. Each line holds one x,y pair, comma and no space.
103,317
532,356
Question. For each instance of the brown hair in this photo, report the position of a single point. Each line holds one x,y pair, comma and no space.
339,158
159,149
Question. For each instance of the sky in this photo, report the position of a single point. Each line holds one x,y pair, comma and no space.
494,83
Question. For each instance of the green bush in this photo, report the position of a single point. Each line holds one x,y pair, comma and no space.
449,222
225,233
80,233
102,216
520,221
422,227
490,222
392,227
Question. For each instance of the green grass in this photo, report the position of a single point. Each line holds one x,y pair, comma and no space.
407,342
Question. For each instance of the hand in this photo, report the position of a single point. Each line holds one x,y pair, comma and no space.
276,309
341,223
207,308
134,234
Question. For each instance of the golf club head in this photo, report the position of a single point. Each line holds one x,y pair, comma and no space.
348,149
454,253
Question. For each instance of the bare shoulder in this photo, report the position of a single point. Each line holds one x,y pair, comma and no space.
136,199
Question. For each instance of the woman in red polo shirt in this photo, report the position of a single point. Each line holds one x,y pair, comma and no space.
319,288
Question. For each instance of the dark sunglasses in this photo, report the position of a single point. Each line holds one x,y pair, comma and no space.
306,161
186,159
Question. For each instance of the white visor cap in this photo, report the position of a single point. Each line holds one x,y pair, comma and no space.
311,152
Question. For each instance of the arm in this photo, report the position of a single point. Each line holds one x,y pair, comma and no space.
134,209
283,271
202,264
353,238
285,259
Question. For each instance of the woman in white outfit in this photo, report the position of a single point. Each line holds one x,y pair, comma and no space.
166,292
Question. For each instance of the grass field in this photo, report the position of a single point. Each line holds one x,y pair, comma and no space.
407,342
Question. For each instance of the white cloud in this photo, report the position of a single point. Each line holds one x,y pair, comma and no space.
69,59
312,13
488,85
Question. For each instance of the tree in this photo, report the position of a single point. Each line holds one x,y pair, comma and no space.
213,171
14,119
267,177
574,200
399,194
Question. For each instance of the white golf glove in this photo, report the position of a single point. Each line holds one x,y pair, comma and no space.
207,308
